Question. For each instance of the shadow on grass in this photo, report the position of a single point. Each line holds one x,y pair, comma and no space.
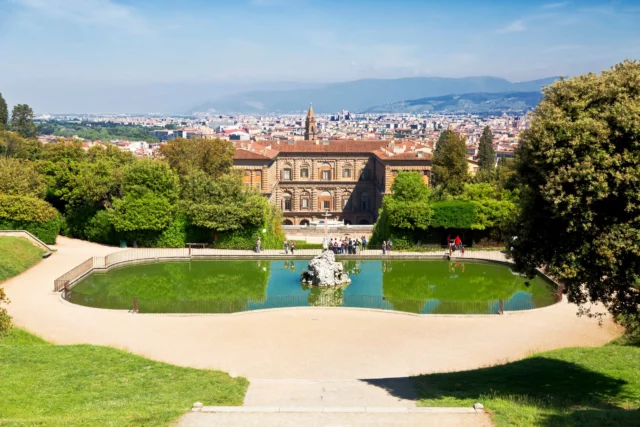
548,382
593,417
402,388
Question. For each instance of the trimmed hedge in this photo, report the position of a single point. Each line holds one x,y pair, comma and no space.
46,231
453,214
33,215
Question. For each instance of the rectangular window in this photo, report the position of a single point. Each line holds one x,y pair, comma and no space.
326,175
287,204
304,173
257,179
247,178
364,204
305,203
286,174
346,173
326,205
347,204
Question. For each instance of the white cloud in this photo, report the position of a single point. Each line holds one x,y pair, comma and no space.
90,12
554,5
514,27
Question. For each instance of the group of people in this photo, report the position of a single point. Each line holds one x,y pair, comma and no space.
346,245
387,245
289,246
454,244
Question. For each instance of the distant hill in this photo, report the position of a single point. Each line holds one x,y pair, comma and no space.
475,103
363,94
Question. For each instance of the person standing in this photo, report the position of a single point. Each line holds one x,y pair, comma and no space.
384,247
258,244
292,246
458,243
286,247
389,245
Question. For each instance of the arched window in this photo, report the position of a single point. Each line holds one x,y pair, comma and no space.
286,174
324,200
346,201
364,222
325,171
305,200
346,172
304,171
286,202
287,222
304,222
364,202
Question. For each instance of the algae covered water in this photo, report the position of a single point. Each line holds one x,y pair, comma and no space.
226,286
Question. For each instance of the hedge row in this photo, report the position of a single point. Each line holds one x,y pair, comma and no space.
33,215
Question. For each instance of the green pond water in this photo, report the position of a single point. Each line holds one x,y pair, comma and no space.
226,286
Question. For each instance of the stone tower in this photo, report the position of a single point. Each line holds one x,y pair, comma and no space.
310,129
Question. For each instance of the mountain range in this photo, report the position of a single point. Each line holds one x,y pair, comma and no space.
475,103
363,95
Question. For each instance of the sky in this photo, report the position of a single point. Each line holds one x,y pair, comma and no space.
64,55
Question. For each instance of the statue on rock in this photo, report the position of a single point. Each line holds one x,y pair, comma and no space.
325,271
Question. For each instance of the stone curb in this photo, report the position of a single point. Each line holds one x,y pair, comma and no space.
334,409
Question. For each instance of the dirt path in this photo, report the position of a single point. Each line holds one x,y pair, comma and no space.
310,343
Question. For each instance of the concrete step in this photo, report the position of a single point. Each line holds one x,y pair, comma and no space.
335,419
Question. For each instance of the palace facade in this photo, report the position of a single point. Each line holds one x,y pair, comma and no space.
346,178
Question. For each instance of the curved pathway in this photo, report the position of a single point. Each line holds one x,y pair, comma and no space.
309,343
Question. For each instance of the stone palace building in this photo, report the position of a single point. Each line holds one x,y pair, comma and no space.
346,178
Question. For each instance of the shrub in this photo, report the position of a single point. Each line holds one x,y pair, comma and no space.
5,319
33,215
99,229
453,214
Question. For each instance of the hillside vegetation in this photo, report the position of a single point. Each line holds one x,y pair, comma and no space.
85,385
16,255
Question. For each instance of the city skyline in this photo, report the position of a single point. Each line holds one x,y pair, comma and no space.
60,52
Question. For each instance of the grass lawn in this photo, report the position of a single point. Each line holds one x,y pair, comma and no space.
16,255
568,387
46,384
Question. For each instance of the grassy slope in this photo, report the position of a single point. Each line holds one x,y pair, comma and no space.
16,255
46,384
568,387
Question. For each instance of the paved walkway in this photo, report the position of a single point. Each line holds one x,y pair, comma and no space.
328,344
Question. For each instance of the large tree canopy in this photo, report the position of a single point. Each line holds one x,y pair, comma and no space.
450,163
213,156
579,165
22,121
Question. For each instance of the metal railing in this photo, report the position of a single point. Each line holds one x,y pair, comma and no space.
134,255
214,306
78,272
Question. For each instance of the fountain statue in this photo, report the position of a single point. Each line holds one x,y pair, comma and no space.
325,271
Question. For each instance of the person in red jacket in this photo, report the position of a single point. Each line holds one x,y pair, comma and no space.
458,243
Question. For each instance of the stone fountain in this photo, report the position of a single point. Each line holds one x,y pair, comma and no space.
325,271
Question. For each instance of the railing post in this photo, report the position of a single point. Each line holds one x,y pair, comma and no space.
501,306
67,290
134,308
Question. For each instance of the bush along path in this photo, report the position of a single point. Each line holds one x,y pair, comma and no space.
46,384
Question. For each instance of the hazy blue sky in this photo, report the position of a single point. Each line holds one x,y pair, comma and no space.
80,45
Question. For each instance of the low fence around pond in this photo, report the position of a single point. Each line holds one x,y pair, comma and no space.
68,279
101,264
214,306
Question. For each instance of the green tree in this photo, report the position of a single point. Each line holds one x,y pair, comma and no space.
150,192
442,140
407,207
213,156
486,154
13,145
4,113
20,178
579,166
22,121
493,207
450,163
